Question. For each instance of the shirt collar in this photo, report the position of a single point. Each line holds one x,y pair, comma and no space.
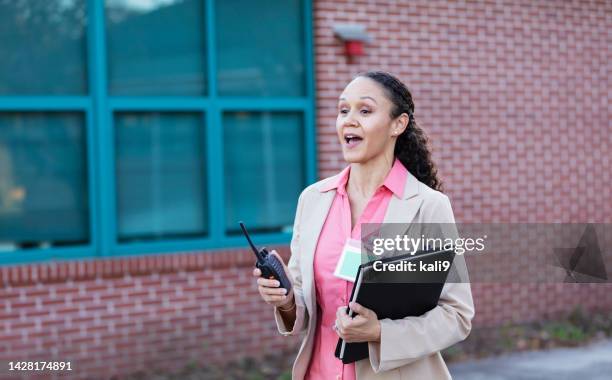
395,181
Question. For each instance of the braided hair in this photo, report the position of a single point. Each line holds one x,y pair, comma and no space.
412,145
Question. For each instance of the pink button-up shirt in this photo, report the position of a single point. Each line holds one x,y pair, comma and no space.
333,292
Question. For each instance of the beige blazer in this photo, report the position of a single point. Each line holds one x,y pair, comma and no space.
409,348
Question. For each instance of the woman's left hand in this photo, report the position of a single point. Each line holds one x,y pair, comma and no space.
364,327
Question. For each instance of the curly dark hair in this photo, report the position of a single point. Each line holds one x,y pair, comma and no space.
412,145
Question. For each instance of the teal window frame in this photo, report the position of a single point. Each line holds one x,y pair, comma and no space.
99,108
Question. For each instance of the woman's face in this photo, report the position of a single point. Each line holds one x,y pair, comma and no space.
364,126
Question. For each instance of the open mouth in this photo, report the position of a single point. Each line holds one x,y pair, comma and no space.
352,140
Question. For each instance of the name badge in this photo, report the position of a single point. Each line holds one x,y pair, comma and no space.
349,262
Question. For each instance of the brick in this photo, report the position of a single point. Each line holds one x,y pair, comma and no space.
504,102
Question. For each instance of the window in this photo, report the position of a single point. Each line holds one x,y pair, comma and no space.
156,47
263,156
42,45
151,126
43,180
160,175
262,54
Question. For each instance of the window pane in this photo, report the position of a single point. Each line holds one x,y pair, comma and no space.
42,45
43,179
156,47
264,169
160,175
260,48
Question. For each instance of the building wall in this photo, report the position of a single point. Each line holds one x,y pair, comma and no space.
125,315
515,98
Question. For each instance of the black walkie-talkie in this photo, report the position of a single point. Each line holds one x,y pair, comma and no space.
268,264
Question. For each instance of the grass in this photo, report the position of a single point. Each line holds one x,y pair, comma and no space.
571,330
574,329
271,367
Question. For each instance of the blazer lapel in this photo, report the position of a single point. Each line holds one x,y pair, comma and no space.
311,230
403,210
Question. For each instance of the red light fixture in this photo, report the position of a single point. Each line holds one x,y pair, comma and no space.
353,48
354,37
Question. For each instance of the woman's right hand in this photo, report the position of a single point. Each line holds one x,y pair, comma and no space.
270,291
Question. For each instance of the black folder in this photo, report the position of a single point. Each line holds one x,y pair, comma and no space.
396,295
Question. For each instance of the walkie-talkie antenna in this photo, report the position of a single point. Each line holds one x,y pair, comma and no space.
257,253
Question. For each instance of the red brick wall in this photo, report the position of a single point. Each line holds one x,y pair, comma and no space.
126,315
515,97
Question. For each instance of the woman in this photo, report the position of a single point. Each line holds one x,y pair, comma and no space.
391,178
